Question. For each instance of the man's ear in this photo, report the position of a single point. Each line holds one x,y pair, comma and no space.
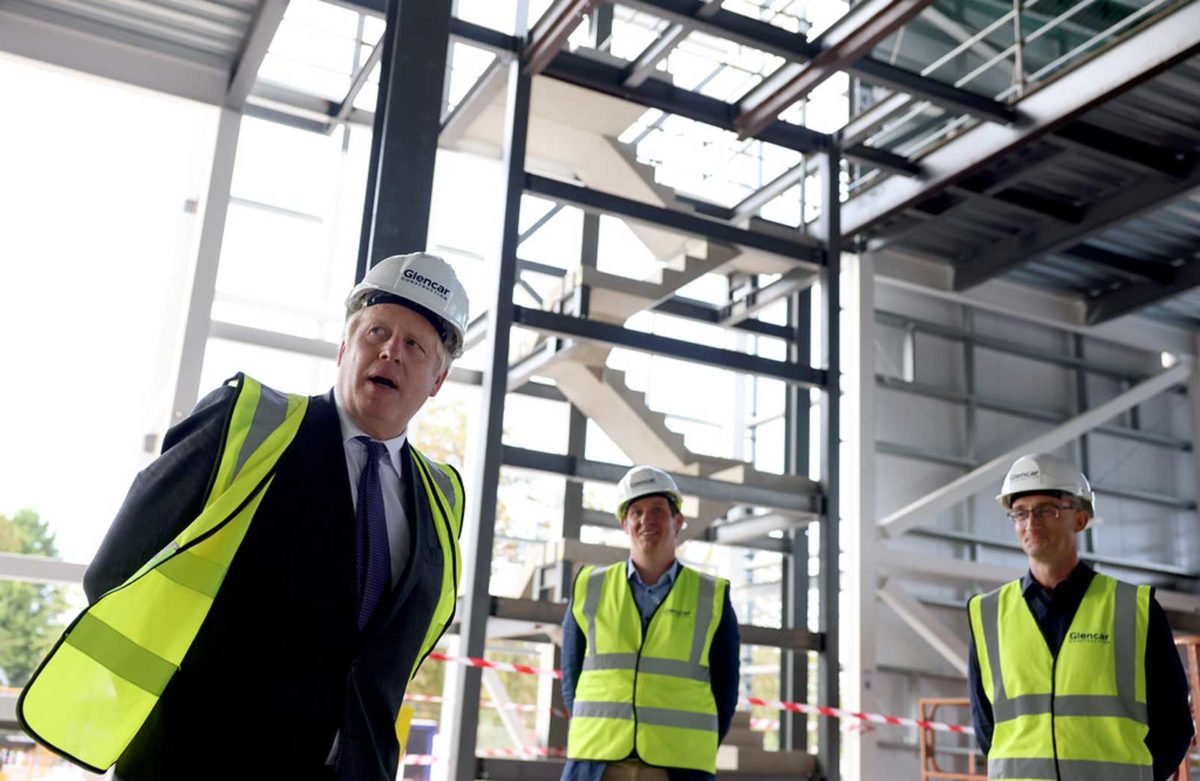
1081,520
341,351
679,521
437,383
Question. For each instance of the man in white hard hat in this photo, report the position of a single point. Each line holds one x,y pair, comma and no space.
344,577
1073,675
650,651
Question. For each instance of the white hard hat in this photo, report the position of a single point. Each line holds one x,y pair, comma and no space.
644,481
1043,472
425,283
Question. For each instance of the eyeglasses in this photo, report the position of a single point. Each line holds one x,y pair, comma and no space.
1043,512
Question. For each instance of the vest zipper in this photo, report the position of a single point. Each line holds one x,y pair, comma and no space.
637,662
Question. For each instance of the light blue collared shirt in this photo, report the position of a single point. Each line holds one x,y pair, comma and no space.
648,598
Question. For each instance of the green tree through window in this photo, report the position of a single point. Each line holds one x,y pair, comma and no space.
30,613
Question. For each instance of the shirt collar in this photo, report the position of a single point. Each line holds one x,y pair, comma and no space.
350,430
1079,579
667,577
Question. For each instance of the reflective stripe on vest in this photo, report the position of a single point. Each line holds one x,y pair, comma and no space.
94,690
651,691
1081,715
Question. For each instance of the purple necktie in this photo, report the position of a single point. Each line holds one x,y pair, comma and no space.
374,561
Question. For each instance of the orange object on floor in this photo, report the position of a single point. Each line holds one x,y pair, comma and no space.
930,769
1189,647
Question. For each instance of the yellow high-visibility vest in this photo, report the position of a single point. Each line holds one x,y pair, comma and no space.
1080,716
650,692
96,687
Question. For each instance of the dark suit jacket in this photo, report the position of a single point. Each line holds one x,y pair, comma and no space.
278,667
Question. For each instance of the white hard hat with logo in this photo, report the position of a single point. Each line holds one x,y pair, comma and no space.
423,282
645,481
1042,473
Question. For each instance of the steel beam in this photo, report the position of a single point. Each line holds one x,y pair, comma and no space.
755,527
652,55
266,21
850,39
1124,150
596,201
896,562
485,89
551,32
645,63
1006,346
484,37
1131,268
759,298
1021,411
794,48
39,569
802,502
482,489
603,77
986,475
1133,297
1167,41
1118,562
1046,239
708,313
948,643
608,333
346,107
611,79
960,462
405,135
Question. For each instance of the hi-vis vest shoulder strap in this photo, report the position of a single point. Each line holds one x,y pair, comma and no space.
94,690
444,489
1080,716
652,691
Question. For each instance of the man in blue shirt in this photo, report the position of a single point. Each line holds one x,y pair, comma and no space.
649,503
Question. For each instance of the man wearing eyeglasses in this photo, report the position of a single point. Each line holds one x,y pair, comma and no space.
1073,675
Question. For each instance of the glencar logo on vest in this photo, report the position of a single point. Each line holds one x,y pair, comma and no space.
676,611
1089,637
419,279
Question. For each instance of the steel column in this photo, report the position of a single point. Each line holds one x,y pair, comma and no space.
856,467
405,135
793,673
208,258
480,532
828,689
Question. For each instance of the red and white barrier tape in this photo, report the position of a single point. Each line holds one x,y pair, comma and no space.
795,707
517,706
838,713
524,753
470,661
